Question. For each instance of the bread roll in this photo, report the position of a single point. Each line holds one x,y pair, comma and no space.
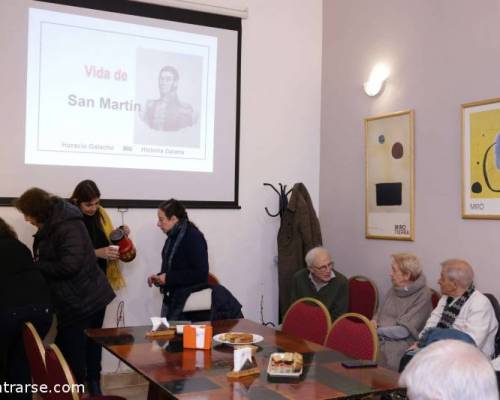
238,337
298,362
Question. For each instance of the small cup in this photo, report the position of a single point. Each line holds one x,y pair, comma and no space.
115,247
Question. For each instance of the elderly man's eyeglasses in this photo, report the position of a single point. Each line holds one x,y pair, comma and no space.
323,268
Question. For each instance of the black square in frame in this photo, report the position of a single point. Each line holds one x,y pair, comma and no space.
389,194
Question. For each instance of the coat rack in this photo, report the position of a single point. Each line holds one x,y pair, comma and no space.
283,199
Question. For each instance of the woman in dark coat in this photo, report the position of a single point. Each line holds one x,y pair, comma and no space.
184,255
65,256
24,296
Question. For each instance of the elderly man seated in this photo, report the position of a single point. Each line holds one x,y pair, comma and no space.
450,370
462,308
320,281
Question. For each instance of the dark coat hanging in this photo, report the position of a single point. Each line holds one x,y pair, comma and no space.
299,232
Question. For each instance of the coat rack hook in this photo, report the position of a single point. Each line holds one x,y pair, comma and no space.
283,199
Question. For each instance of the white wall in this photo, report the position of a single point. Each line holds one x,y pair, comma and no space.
442,53
280,134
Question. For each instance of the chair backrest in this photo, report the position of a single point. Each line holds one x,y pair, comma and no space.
35,352
354,335
60,374
308,319
435,296
363,296
212,279
496,307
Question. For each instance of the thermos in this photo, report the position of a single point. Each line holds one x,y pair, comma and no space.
126,247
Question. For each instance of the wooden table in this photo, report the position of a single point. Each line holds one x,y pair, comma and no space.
198,374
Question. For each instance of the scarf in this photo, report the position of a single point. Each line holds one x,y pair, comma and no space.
175,236
113,272
452,308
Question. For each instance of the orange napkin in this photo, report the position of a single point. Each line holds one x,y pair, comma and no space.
197,337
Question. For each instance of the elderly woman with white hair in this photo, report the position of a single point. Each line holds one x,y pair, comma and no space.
405,310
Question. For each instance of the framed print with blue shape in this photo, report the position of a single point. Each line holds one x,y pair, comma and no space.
481,159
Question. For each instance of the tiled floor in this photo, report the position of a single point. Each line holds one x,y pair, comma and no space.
138,392
129,385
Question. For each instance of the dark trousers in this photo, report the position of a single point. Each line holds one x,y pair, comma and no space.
13,358
72,342
93,349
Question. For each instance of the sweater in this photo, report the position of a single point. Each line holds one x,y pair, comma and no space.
334,295
407,308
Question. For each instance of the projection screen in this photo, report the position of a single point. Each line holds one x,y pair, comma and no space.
142,99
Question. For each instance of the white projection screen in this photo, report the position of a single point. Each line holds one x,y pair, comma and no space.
141,98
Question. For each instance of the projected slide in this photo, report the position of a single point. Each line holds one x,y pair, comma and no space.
102,93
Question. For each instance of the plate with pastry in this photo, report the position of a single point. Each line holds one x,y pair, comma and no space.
285,364
234,338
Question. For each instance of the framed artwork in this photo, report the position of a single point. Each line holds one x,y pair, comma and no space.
481,159
389,175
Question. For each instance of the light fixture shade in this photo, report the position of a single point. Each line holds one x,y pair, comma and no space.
378,76
372,88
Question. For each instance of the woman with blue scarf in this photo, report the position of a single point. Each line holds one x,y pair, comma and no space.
184,255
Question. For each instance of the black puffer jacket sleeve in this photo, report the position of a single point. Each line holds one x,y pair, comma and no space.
70,250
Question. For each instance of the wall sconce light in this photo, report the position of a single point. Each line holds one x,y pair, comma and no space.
374,84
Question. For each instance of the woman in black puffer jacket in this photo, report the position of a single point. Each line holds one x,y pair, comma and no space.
64,254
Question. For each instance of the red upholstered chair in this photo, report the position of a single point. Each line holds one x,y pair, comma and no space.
212,279
354,335
308,319
363,296
435,296
35,352
60,374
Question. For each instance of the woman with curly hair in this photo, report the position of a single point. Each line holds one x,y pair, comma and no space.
65,256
